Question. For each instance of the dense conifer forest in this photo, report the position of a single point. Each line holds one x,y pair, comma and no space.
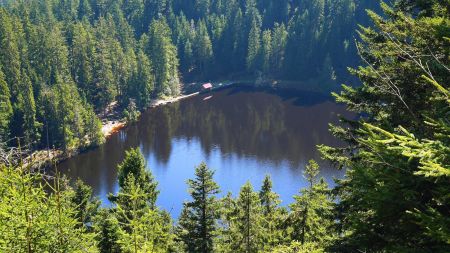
62,62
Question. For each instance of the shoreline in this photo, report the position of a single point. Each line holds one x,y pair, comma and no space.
112,126
112,122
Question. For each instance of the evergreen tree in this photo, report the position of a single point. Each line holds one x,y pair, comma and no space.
164,56
25,113
246,227
279,40
227,211
85,203
134,165
142,83
198,224
272,215
107,230
38,218
203,51
145,229
82,57
254,47
312,212
104,90
5,108
10,58
390,192
266,51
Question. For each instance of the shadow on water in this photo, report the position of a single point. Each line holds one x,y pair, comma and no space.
296,97
242,133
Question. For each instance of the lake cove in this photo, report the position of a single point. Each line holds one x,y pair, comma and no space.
242,133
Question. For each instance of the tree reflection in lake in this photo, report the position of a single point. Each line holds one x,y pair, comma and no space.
240,132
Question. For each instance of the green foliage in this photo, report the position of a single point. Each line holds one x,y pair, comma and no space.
296,247
198,223
273,216
86,204
110,51
107,232
245,227
131,114
62,61
143,81
35,219
395,193
312,212
133,168
164,57
5,108
145,229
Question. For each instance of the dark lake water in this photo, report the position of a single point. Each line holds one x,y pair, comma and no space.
242,133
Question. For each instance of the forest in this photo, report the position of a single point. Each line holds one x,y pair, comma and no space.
62,62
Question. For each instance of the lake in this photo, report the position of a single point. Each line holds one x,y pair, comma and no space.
240,132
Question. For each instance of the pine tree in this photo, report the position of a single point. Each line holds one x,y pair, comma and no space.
84,10
104,89
5,108
164,57
142,83
227,211
246,227
386,198
279,40
272,215
134,166
203,51
254,47
198,224
10,58
266,51
85,203
37,217
145,229
82,56
25,113
311,214
107,230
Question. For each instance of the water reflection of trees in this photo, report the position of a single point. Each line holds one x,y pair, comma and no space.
238,123
254,124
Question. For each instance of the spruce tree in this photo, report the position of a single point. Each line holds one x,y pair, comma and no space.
392,198
266,51
5,108
254,47
142,83
198,224
279,40
85,203
144,228
311,214
38,216
134,165
272,215
203,52
107,230
246,228
165,58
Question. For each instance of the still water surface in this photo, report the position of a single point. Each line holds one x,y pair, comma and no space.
242,133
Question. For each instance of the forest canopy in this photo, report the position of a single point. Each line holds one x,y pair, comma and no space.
62,62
